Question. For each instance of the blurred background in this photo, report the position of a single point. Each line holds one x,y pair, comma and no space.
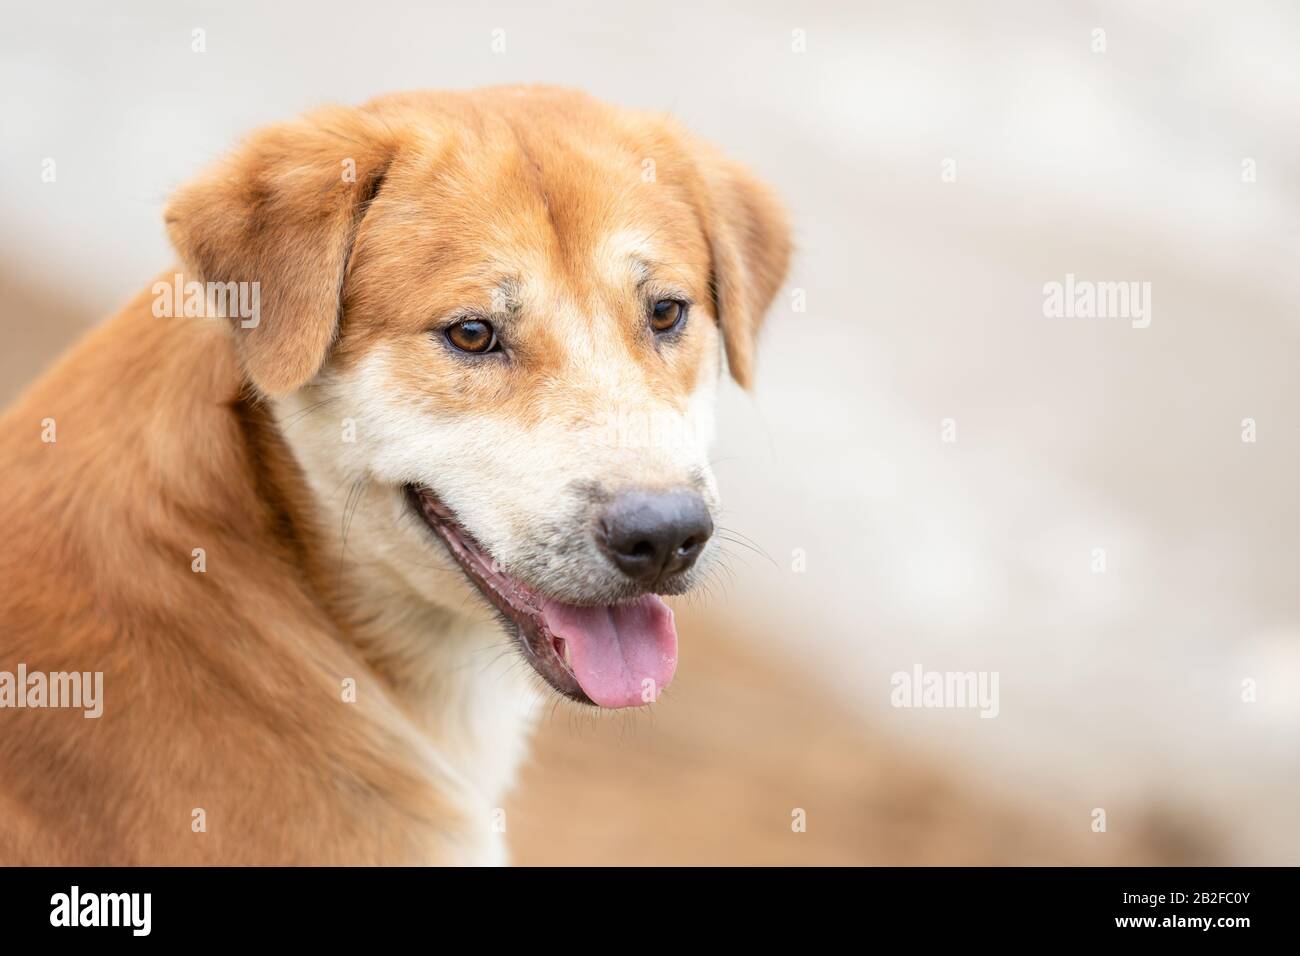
927,466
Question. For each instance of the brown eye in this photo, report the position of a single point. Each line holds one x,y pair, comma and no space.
473,335
667,314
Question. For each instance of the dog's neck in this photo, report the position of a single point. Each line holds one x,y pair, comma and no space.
450,669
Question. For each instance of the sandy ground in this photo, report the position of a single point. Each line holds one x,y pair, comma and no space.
717,775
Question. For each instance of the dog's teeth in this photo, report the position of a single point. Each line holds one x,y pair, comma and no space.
564,653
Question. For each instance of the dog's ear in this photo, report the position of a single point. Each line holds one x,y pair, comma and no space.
283,212
749,243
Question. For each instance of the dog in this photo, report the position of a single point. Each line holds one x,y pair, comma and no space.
440,391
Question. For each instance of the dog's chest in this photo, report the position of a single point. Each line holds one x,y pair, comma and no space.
470,699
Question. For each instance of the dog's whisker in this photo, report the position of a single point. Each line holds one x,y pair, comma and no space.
304,412
723,554
744,537
349,511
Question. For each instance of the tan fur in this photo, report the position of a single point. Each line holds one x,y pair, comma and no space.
223,689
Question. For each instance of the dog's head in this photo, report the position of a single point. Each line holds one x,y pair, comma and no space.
501,316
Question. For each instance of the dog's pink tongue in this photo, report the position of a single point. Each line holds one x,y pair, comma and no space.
623,655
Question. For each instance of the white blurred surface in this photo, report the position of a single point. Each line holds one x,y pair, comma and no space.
924,302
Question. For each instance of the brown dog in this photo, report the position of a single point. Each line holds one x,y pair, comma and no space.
436,365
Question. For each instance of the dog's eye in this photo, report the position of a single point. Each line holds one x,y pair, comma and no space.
667,314
473,335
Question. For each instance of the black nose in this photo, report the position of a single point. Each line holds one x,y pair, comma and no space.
653,534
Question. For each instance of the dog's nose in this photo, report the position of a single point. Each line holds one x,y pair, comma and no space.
650,535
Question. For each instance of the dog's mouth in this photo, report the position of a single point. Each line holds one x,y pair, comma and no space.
615,655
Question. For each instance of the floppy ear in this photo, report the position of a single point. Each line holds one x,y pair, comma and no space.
283,212
749,242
